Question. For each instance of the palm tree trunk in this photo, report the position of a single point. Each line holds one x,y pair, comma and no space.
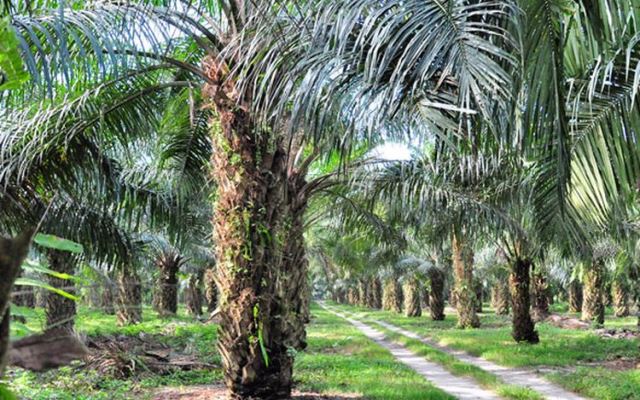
107,300
478,293
249,167
293,284
523,326
376,293
464,287
129,298
362,293
424,296
193,296
392,295
411,291
620,293
575,296
24,296
168,264
500,297
436,294
452,297
540,297
210,289
60,311
593,294
13,253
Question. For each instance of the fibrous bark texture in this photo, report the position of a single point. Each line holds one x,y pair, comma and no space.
500,297
620,292
193,296
411,292
464,285
436,294
60,311
12,254
249,168
129,298
168,264
477,286
519,281
392,295
593,294
210,289
575,296
540,297
374,293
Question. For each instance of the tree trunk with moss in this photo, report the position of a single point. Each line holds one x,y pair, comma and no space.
519,282
452,297
392,295
465,296
593,294
575,296
500,297
210,289
411,292
540,297
60,310
12,254
436,294
249,167
129,298
620,294
193,296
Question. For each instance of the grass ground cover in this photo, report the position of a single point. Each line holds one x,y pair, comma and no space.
339,359
558,348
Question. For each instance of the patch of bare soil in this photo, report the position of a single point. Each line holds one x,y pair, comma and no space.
617,333
565,322
220,393
126,356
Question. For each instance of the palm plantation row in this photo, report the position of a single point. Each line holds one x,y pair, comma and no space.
145,118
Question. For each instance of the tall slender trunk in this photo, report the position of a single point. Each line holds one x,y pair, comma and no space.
436,294
168,264
392,295
500,297
129,298
593,294
620,292
193,296
12,254
60,311
411,291
477,288
575,296
464,288
376,293
210,289
523,326
540,296
362,293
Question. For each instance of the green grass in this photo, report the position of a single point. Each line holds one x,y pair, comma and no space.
340,359
557,348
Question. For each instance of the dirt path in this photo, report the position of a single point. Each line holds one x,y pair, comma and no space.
460,387
514,376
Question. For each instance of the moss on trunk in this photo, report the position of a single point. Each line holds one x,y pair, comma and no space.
540,296
129,298
210,289
620,293
392,295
